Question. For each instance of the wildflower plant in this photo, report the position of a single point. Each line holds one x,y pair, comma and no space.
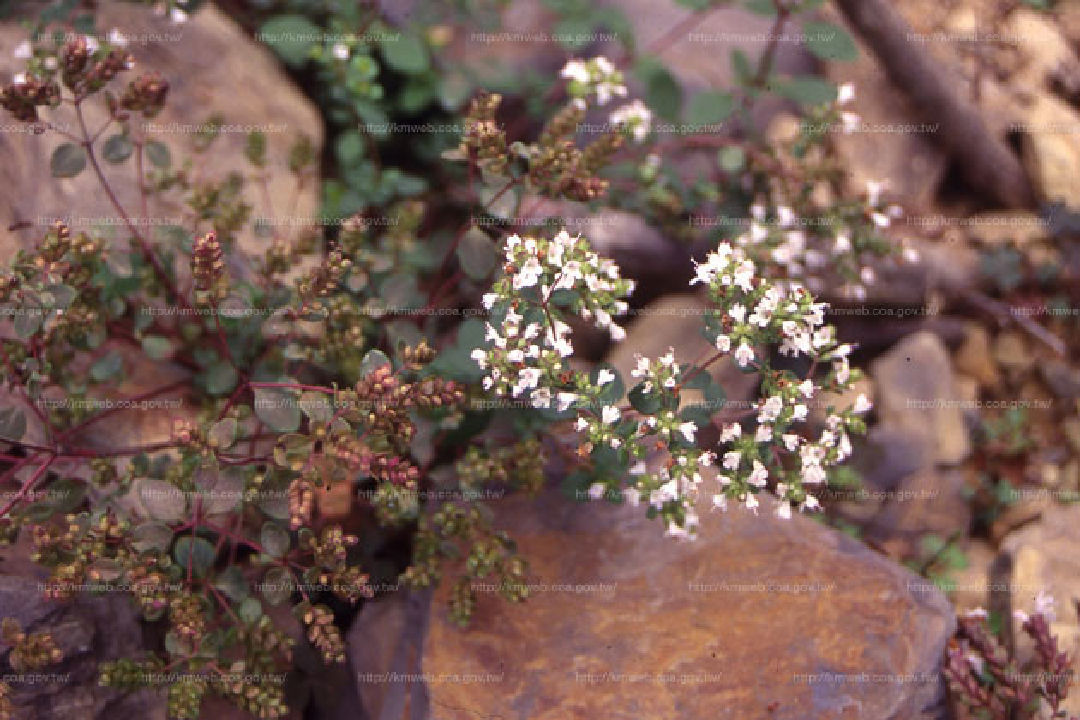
337,385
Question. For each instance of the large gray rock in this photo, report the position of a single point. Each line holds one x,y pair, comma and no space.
759,613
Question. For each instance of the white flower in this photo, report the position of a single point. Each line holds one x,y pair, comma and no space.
604,377
873,193
723,343
862,404
528,274
688,429
575,70
641,369
541,398
730,432
744,355
18,78
340,51
635,116
759,475
565,400
633,496
719,502
732,459
581,425
763,434
596,491
178,16
845,94
23,51
609,414
783,510
480,356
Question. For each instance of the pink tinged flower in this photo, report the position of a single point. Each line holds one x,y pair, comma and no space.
516,355
688,429
744,275
529,377
610,414
641,368
785,216
752,502
845,94
806,388
633,496
638,468
565,400
541,398
880,219
759,475
178,16
723,343
810,503
596,491
1044,605
791,441
862,404
737,312
873,193
719,502
799,412
744,355
730,432
732,459
763,434
487,383
340,51
581,425
23,51
783,510
617,332
850,122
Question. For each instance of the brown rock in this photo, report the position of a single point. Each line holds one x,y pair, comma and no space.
975,357
969,588
916,393
1044,559
1050,153
212,67
758,612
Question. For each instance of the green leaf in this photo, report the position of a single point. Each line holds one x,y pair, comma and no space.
830,42
349,147
476,253
162,500
732,159
67,161
807,91
278,409
662,91
275,539
232,584
291,37
223,433
765,8
249,610
157,347
319,407
709,108
221,378
60,296
646,403
277,586
405,53
152,536
374,360
12,423
158,154
117,149
198,551
107,367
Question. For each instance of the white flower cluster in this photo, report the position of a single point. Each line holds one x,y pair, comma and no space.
635,117
525,351
751,312
597,77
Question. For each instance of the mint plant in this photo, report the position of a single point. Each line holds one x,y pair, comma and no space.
341,360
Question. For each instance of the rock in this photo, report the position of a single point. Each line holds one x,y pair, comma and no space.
969,587
975,358
1061,378
1047,53
675,321
1044,559
216,68
1027,506
927,502
759,614
910,161
1050,154
996,229
916,393
1012,351
88,630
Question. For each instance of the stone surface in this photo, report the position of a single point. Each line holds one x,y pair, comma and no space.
1044,558
975,358
1050,152
969,588
88,630
759,613
212,67
916,393
675,321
